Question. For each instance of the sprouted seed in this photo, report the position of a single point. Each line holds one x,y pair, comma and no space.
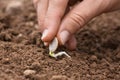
52,48
54,44
52,54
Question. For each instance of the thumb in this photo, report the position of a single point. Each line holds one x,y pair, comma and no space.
78,17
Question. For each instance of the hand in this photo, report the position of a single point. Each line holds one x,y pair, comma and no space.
54,21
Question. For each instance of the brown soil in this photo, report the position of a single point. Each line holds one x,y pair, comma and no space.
24,57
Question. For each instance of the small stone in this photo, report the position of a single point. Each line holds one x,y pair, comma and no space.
93,58
36,26
111,67
92,71
41,77
117,77
6,61
59,77
88,75
20,35
118,55
104,62
29,72
8,37
93,65
35,66
14,7
30,23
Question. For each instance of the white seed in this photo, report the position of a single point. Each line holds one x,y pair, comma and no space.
54,44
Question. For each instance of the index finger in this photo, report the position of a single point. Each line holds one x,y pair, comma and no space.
55,12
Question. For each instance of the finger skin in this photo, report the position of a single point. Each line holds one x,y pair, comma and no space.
50,13
35,3
71,43
42,7
79,16
55,12
113,5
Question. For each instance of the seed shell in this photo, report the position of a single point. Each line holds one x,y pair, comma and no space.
54,44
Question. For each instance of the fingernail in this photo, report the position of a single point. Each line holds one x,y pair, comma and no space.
64,35
44,34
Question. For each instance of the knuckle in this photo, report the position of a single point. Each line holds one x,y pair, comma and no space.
77,19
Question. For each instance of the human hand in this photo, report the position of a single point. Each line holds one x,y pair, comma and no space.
53,22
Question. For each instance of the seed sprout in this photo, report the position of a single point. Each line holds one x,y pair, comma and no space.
52,48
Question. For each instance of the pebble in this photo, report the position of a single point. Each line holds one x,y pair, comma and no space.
40,77
118,55
93,58
93,65
30,23
36,26
14,7
29,72
88,75
59,77
6,61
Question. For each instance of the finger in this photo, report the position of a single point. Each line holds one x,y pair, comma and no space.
35,2
67,10
71,44
53,17
42,7
78,17
113,5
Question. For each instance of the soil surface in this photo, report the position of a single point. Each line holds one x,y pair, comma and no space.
24,57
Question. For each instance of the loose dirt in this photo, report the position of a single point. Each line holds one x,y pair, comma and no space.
24,57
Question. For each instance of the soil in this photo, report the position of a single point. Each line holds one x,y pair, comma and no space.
24,57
